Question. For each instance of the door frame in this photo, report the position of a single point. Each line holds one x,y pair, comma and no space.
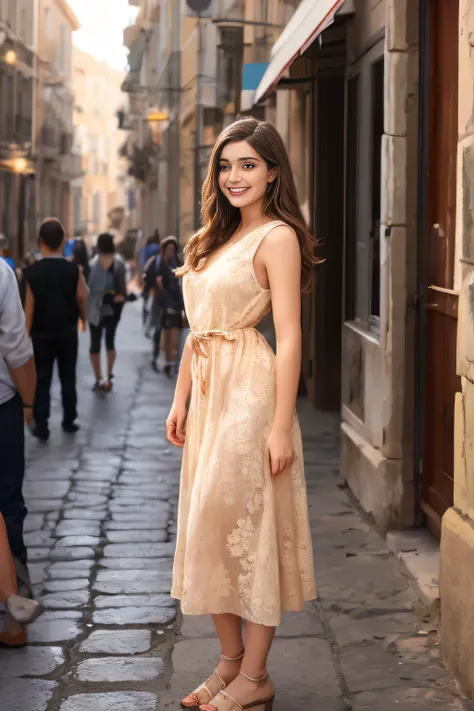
420,296
426,11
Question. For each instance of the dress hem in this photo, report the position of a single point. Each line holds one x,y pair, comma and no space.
287,608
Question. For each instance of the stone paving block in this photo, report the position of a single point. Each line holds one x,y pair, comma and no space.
38,572
141,550
33,522
70,527
44,505
89,499
25,694
92,487
67,585
146,518
112,701
50,615
301,624
119,669
71,569
71,553
128,582
46,489
30,661
38,554
396,699
371,667
134,616
147,508
163,565
66,600
45,631
104,475
105,601
349,629
87,514
72,541
144,536
117,642
39,538
160,522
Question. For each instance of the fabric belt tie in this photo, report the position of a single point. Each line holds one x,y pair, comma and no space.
200,344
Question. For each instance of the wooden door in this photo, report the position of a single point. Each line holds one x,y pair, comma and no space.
441,301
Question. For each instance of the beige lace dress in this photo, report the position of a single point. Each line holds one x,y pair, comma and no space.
243,543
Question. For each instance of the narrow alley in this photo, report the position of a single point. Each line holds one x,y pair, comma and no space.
100,532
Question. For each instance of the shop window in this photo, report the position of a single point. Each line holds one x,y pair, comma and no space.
364,131
377,133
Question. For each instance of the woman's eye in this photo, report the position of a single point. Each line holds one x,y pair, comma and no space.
222,168
249,165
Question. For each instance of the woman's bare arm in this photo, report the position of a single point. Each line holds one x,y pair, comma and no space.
29,308
280,254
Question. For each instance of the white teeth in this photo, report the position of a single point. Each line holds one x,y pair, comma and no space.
238,190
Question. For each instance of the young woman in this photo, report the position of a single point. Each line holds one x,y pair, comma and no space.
244,546
108,293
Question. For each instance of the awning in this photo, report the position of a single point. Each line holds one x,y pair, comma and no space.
310,19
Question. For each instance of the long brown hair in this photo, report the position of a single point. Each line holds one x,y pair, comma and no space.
220,219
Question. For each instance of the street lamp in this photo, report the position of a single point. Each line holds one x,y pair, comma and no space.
10,56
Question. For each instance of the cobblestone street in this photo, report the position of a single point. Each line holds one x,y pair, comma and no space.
101,529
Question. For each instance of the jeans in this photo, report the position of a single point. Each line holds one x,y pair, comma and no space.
12,471
47,351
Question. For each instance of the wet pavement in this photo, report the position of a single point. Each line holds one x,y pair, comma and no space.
101,529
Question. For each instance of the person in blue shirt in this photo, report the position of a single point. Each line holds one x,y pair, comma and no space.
5,253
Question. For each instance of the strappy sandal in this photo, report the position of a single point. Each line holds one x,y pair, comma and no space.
224,702
211,687
108,384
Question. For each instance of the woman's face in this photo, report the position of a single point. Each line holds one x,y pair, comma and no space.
243,174
170,251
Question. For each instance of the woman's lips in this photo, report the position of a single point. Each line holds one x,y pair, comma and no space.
236,192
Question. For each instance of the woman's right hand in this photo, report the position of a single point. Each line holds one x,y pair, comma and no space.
176,425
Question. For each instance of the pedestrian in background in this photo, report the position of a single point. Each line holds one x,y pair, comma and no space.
168,288
243,551
55,299
146,259
5,252
108,293
80,256
17,391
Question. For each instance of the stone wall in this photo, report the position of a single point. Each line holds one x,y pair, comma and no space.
377,382
457,542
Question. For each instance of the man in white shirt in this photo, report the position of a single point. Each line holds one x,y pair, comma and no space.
17,392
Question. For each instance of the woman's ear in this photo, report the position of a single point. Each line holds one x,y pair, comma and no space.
272,174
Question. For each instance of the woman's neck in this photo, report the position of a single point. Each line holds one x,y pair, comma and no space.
106,260
252,213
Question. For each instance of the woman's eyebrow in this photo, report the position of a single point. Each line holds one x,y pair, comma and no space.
240,160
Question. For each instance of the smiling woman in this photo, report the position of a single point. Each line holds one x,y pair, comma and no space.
243,546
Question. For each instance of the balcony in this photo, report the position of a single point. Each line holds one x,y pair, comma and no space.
23,129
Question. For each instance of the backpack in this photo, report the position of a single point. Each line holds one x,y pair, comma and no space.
150,272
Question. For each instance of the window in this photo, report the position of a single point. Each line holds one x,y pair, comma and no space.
47,22
13,15
96,210
364,131
352,141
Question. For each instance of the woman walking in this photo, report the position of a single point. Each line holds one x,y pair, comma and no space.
108,292
170,297
244,546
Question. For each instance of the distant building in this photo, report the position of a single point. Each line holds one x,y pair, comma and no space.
56,163
99,195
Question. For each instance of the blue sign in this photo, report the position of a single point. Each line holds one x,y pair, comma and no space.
69,248
252,75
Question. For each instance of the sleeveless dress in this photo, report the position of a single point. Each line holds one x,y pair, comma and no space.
243,542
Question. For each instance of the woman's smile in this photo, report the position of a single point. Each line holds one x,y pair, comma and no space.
235,192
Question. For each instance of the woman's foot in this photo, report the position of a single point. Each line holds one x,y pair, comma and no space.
247,691
227,670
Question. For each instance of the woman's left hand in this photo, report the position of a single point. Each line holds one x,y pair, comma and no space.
119,299
280,450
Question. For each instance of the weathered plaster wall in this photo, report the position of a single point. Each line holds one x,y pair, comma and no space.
376,382
457,542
